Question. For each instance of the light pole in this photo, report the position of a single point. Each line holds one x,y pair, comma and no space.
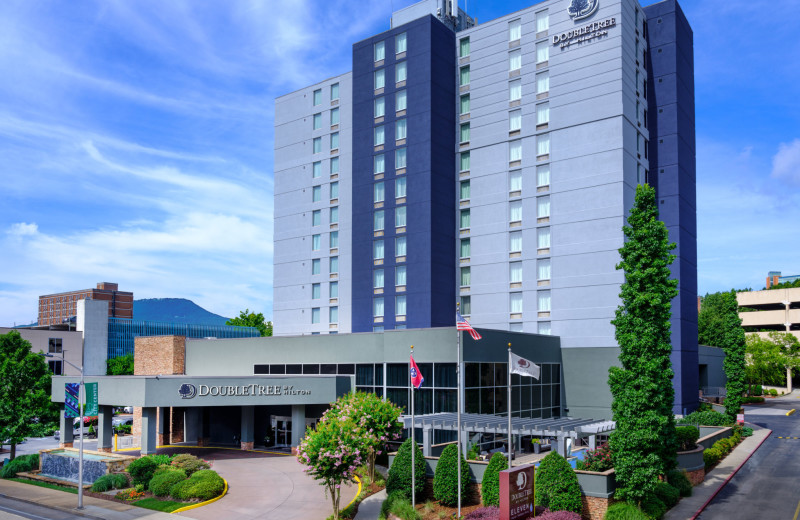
81,400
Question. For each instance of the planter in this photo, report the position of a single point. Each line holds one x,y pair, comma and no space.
711,434
691,460
600,485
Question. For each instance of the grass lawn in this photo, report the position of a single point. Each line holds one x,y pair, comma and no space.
47,485
167,506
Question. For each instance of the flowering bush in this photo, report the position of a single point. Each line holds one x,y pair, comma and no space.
130,495
559,515
596,460
484,513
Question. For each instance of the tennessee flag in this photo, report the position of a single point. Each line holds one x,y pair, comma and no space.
416,375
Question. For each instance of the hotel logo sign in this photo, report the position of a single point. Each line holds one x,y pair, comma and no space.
580,9
584,34
189,391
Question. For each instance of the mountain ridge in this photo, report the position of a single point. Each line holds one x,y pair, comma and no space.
174,310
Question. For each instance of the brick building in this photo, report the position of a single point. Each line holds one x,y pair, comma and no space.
56,308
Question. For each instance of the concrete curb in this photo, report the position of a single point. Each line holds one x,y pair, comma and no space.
72,511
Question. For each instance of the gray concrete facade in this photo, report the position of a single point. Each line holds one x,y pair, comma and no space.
92,320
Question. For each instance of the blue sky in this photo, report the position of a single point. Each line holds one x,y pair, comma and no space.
136,140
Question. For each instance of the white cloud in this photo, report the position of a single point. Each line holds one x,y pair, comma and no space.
786,163
23,229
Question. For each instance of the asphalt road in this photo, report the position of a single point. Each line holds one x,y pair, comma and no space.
768,485
11,509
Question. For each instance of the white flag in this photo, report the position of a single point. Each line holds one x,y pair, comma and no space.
524,367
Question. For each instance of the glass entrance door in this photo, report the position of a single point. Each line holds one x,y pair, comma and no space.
282,430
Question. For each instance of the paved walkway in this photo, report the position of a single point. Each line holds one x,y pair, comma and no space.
370,508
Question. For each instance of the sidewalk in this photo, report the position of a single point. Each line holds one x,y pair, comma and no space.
94,508
717,478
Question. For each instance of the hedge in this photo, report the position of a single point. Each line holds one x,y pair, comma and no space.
687,437
188,463
557,485
445,479
624,511
142,470
20,464
400,473
162,481
204,484
653,507
110,481
667,493
490,485
680,481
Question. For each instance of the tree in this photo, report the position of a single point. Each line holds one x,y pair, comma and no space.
715,309
251,319
24,389
768,358
120,366
644,444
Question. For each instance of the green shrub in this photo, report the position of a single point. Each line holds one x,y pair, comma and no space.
472,454
747,431
123,428
490,485
204,484
708,418
680,481
597,460
20,464
687,437
557,485
402,509
400,472
162,481
387,504
110,481
624,511
653,507
161,460
188,463
667,494
753,399
711,456
141,470
445,478
773,392
757,390
180,491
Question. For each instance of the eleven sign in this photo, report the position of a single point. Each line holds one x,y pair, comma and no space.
516,492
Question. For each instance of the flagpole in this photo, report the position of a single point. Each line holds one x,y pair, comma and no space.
458,406
413,440
509,407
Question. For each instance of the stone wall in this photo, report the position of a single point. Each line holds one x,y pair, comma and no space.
159,355
594,508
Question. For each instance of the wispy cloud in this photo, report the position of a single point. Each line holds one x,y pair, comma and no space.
786,163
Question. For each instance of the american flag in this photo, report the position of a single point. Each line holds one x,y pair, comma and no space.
462,324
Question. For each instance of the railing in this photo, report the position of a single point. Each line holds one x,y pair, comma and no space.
126,442
712,391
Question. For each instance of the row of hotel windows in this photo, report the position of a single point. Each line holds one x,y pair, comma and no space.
317,143
316,120
514,86
542,327
333,315
400,103
317,96
514,208
543,273
316,168
514,147
514,180
514,32
400,46
514,242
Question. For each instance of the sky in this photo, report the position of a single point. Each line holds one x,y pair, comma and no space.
136,140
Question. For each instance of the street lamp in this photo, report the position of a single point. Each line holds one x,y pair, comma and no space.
81,399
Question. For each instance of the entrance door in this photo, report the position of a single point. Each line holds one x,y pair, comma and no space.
282,430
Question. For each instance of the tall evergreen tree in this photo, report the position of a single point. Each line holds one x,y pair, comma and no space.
730,336
644,445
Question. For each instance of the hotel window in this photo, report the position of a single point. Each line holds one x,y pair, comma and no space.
542,52
335,141
544,301
514,30
542,113
543,175
515,151
515,303
400,305
317,142
465,104
514,60
315,314
400,129
465,248
466,305
400,43
543,206
543,269
378,250
515,272
334,91
377,307
316,291
400,216
316,170
317,121
400,246
55,345
378,164
515,182
543,238
542,82
400,158
316,217
333,290
544,328
334,265
380,79
315,266
464,219
463,47
515,90
380,51
377,279
335,215
377,220
317,97
334,190
333,315
380,107
464,191
316,193
465,133
515,120
464,161
542,21
401,72
334,240
316,242
400,187
379,191
515,242
543,144
515,211
400,276
335,116
379,135
464,76
400,100
466,276
334,165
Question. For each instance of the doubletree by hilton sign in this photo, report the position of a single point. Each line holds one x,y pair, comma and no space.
190,391
578,10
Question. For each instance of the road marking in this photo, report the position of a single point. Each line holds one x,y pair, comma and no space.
790,412
796,511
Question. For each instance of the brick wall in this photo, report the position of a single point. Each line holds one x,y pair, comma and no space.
594,508
159,355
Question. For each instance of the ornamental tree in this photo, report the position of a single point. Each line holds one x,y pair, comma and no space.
251,319
644,444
